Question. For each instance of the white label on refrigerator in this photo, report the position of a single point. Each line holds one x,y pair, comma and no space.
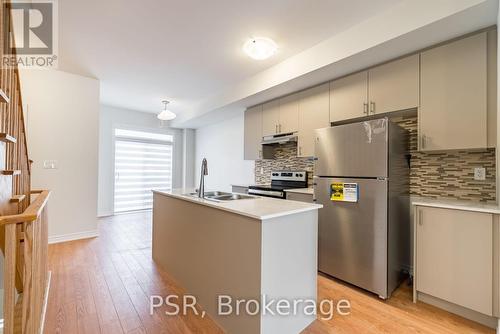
350,192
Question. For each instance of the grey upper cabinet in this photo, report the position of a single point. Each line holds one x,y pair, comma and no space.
314,106
390,87
289,114
453,100
492,88
281,115
253,133
394,86
452,85
270,118
348,97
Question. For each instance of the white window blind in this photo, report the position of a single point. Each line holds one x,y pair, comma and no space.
143,161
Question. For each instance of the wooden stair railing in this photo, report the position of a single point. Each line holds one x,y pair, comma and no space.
15,165
12,122
23,222
24,313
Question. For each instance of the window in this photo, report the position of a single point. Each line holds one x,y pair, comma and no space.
143,161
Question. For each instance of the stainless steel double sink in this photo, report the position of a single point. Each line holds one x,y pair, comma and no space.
220,196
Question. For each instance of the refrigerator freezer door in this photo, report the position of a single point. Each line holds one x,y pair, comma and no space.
352,150
353,236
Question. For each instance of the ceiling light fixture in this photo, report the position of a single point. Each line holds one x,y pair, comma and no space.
166,115
260,48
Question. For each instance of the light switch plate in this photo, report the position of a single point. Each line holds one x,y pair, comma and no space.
50,164
479,173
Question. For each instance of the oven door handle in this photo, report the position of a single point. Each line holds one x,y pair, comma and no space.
266,192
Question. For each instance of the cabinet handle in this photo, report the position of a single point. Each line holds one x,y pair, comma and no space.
276,128
365,108
280,128
300,150
372,107
420,219
424,141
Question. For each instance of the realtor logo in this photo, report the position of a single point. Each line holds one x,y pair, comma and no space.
30,36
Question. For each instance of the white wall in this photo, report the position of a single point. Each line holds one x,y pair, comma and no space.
222,145
111,118
189,141
62,112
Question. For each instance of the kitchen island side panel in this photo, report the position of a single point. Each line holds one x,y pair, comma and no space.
289,268
209,252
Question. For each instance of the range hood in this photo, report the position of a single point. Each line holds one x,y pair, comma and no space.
279,139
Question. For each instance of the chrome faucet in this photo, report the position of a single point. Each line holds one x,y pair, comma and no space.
204,171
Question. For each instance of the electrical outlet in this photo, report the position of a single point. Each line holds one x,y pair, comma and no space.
479,173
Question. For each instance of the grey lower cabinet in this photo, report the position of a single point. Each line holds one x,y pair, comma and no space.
239,189
300,197
454,259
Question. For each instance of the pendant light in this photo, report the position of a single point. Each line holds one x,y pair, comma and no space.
166,115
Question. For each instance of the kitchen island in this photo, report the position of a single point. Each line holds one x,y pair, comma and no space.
256,248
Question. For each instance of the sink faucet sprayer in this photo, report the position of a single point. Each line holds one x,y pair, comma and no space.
204,171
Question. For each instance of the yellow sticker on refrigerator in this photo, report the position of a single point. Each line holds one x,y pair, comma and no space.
344,192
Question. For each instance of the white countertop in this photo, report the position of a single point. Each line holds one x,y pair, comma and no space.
456,204
261,208
306,191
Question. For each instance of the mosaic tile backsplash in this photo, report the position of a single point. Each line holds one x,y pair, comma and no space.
437,175
285,159
449,174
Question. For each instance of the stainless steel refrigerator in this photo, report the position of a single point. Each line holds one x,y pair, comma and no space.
361,176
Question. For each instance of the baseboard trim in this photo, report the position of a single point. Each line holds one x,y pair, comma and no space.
483,319
73,236
104,214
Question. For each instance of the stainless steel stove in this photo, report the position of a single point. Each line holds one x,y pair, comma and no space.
280,180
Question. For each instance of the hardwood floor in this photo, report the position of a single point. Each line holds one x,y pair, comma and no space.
103,285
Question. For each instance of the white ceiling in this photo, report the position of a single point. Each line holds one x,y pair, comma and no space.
188,50
405,28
